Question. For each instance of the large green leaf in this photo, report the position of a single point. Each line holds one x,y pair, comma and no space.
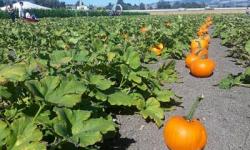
4,130
59,58
153,111
25,135
100,82
132,58
75,126
15,72
63,92
4,92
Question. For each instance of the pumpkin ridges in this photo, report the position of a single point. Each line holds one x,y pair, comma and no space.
185,133
202,67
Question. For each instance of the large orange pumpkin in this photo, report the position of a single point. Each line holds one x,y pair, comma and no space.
202,68
198,44
185,133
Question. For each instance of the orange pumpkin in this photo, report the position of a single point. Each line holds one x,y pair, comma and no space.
156,51
159,46
202,67
203,53
185,133
190,58
206,37
198,44
144,29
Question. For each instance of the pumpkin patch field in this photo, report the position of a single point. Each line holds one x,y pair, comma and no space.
125,83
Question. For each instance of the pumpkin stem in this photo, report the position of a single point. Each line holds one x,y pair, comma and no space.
203,57
194,107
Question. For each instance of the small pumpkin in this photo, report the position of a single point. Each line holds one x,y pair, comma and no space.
185,133
144,29
156,51
198,44
160,46
206,37
190,58
202,67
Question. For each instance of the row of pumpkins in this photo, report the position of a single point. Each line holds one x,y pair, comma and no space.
197,60
186,132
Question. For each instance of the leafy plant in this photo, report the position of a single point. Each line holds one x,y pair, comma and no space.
242,79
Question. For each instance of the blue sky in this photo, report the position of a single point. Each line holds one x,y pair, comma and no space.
105,2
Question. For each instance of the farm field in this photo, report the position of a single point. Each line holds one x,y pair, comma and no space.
112,82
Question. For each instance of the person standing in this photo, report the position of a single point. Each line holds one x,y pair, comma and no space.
21,10
11,12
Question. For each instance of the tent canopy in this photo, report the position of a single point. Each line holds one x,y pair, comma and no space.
26,5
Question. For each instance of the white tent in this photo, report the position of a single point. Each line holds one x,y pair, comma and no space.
26,5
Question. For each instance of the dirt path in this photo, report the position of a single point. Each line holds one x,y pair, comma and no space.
225,113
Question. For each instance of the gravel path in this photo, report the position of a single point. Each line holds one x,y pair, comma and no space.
225,113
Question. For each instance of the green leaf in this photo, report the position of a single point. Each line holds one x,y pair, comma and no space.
63,92
15,72
75,126
227,82
59,58
4,92
4,130
100,82
25,135
167,72
121,99
134,77
153,111
111,56
68,120
132,58
81,56
124,70
247,47
164,95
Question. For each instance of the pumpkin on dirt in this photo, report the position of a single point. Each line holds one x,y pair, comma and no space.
185,133
202,67
190,58
206,37
198,44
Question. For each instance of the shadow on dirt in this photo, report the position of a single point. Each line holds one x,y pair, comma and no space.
117,143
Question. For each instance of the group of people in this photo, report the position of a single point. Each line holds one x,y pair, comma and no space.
21,13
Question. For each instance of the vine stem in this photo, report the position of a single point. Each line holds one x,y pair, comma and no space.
194,107
38,112
243,85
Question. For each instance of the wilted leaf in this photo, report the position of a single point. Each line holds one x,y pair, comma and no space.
25,135
15,72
